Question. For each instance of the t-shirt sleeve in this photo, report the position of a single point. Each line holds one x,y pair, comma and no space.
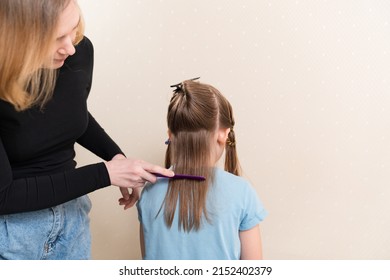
254,211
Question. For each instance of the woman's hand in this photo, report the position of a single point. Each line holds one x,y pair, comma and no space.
133,173
128,200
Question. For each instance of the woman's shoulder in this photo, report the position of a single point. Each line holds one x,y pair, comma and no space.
84,49
85,43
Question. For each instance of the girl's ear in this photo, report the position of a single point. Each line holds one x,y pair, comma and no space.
223,135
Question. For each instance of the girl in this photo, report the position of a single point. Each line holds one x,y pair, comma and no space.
217,218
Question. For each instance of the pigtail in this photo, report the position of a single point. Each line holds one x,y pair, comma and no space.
232,164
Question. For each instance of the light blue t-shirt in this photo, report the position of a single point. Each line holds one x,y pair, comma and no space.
233,206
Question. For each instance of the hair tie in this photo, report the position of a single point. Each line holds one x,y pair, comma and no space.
230,143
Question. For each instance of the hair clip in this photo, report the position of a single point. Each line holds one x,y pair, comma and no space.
177,87
180,85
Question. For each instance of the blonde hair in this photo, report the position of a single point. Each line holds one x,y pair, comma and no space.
195,113
27,32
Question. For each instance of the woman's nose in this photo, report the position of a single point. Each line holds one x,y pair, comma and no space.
67,48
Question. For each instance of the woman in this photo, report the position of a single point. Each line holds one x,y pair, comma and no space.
45,77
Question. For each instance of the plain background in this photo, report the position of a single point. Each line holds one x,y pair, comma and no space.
309,82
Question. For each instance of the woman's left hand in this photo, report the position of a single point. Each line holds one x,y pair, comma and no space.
129,199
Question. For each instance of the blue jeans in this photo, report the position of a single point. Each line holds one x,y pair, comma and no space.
58,233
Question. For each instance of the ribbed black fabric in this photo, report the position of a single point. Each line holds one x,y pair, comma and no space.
37,167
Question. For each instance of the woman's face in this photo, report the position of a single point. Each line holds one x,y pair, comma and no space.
65,35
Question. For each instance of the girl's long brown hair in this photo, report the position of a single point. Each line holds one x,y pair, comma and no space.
27,33
195,112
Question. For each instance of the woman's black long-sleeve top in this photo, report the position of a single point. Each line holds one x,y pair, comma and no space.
37,166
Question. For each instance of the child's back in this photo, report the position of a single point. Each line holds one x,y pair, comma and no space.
232,205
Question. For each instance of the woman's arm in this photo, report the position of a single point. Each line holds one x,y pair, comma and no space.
251,248
35,193
97,141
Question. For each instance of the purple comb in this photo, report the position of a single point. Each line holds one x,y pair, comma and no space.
181,176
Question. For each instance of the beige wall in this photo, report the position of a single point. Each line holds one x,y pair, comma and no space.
309,82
